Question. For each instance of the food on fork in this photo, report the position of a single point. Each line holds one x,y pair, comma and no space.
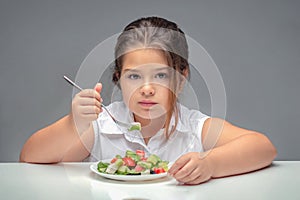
135,126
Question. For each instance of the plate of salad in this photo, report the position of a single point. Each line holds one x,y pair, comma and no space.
134,166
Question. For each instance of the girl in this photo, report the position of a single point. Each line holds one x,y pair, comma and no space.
151,66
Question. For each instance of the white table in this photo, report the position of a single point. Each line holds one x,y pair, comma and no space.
70,181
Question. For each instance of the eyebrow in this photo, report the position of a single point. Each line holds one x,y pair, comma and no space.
156,69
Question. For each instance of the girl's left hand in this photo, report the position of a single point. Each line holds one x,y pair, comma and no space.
192,168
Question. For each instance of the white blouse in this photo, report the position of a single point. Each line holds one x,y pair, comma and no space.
111,139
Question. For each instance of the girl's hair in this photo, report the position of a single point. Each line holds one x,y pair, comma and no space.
159,34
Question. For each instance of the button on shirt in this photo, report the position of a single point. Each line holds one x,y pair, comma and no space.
111,139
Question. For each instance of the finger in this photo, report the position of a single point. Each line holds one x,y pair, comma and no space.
186,171
188,177
98,87
89,110
89,102
90,93
179,163
200,179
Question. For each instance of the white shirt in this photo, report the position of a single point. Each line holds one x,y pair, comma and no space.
111,139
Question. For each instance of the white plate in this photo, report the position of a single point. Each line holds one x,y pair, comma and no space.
145,177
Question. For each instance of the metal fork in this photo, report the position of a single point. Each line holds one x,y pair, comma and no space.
132,126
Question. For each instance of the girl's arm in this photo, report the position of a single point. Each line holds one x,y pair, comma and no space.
229,150
70,138
52,144
237,150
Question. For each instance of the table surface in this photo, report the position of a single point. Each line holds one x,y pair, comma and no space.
76,181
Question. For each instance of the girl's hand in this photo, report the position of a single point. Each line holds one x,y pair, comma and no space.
192,168
86,106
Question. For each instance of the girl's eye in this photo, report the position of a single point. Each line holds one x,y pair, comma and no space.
134,76
161,75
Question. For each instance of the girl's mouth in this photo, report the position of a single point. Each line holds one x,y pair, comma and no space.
147,103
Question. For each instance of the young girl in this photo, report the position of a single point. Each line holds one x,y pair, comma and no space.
151,66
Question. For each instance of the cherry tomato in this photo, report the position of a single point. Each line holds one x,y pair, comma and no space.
158,170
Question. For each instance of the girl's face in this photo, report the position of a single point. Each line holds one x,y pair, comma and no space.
145,82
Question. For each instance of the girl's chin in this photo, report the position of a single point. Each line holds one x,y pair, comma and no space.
149,115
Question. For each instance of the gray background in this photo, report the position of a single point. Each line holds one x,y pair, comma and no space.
255,44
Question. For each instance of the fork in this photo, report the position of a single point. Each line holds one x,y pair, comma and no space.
130,126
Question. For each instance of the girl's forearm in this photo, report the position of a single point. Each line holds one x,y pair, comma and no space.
243,154
49,144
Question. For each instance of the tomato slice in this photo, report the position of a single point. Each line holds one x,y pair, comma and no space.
138,168
143,159
140,153
129,161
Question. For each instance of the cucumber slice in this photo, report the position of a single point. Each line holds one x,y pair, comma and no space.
154,159
164,165
112,168
101,166
144,164
123,170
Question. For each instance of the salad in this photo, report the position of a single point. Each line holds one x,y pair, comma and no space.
134,163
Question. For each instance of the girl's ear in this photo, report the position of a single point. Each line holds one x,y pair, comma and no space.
185,73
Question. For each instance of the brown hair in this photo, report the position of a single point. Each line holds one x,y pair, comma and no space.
156,33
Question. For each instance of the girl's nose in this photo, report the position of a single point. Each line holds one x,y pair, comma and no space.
147,90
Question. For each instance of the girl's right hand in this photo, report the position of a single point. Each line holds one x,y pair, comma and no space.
86,106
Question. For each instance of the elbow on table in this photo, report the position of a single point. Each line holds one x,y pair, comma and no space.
270,150
29,157
273,153
22,157
25,155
